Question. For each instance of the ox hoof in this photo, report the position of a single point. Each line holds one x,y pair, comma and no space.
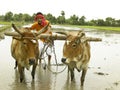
44,67
82,85
21,80
33,78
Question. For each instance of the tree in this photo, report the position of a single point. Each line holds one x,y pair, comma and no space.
61,20
92,22
82,20
62,13
73,20
100,22
18,17
8,16
51,18
118,22
27,17
110,21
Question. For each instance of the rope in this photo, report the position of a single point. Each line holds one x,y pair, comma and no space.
55,54
42,53
56,72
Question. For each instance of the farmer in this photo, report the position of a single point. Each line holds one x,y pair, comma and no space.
39,23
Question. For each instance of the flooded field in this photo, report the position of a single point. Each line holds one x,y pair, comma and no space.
103,72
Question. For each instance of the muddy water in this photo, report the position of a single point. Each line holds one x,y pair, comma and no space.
103,72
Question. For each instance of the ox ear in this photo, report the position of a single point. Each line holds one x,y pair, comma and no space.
81,34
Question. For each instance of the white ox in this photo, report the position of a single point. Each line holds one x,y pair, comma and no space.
76,54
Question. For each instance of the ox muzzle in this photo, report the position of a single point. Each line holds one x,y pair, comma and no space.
63,60
32,61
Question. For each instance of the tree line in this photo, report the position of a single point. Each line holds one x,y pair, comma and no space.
72,20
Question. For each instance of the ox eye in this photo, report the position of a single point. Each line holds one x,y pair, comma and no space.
73,45
24,43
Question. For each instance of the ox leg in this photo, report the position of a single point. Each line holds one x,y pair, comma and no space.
49,59
21,71
83,76
33,71
72,73
16,64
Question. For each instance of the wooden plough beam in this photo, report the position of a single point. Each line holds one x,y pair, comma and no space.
36,35
54,36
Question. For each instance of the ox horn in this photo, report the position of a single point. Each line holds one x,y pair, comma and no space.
81,34
16,29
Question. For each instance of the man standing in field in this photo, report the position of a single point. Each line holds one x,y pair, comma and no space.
39,23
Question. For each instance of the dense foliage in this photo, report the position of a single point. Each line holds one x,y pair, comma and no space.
73,20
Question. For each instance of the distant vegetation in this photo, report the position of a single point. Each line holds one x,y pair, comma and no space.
72,20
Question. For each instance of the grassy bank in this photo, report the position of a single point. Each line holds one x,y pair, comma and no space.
5,23
72,26
8,25
96,27
102,28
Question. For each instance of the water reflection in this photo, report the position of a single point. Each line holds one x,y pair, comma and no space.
16,85
42,81
71,85
43,77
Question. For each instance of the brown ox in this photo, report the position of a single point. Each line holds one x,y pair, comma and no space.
76,54
25,51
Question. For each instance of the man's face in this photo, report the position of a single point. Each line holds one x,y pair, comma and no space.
39,21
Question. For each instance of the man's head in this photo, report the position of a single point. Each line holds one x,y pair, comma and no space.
39,13
39,17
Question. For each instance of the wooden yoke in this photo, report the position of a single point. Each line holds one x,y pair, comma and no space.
54,36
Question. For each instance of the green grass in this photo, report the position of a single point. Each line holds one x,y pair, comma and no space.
96,27
8,25
5,23
102,28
